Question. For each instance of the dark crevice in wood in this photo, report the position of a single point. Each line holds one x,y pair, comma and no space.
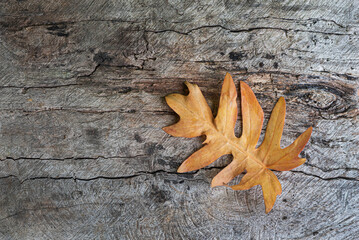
46,24
71,158
89,74
98,66
138,174
326,179
245,30
40,87
125,111
142,173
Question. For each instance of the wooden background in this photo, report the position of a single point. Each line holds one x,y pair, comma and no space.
82,86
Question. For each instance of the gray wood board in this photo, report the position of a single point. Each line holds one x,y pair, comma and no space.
82,86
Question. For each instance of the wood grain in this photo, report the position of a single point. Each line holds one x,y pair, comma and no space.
82,88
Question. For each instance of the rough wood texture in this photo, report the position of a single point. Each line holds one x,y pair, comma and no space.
82,86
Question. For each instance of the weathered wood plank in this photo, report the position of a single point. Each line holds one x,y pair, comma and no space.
172,206
82,88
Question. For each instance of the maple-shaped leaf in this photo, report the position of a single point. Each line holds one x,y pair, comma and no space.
196,119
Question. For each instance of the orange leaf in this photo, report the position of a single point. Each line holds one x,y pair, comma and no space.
196,119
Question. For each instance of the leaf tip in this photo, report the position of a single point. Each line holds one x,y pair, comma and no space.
268,210
269,206
190,86
308,133
243,84
167,130
215,183
281,99
170,98
228,86
228,74
302,160
183,168
167,97
310,129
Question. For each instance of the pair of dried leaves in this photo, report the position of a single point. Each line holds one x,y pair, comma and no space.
196,119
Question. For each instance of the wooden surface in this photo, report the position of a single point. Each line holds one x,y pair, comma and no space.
82,86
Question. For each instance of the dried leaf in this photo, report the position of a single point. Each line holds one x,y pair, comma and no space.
196,119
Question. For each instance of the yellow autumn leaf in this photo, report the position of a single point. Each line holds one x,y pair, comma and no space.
196,119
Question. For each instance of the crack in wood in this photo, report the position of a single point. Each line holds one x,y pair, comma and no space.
285,30
137,174
324,178
72,158
142,173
